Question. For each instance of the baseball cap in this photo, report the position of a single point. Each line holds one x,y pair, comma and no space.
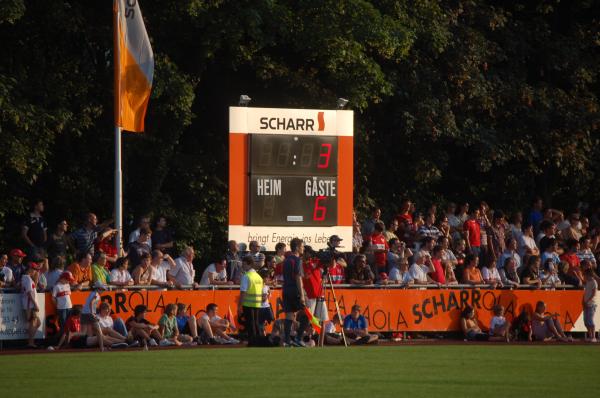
68,276
35,266
17,253
335,237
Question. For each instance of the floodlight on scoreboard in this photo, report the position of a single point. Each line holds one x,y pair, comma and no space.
290,175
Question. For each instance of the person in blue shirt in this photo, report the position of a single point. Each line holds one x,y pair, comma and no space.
356,328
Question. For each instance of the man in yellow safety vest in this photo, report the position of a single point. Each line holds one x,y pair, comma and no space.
251,287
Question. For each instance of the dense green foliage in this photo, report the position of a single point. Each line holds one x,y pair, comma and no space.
496,100
413,371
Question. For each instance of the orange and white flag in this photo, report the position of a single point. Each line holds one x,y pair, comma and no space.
134,66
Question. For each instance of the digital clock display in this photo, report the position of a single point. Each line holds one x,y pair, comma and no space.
293,200
272,154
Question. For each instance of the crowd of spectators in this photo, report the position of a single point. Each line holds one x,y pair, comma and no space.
464,244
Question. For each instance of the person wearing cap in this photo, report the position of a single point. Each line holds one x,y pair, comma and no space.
16,265
356,327
89,319
6,274
29,301
61,296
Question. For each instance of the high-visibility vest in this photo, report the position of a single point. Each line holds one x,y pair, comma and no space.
253,296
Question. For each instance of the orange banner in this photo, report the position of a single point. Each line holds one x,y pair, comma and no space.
385,309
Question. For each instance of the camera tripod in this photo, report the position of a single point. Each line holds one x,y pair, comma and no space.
321,302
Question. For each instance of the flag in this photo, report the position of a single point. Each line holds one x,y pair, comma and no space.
316,324
231,319
134,65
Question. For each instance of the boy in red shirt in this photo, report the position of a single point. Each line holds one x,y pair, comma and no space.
380,248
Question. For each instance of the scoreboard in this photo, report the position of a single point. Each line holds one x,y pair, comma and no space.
290,175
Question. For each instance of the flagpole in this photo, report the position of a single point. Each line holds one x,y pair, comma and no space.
118,173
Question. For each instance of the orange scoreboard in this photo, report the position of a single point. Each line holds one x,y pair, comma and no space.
290,175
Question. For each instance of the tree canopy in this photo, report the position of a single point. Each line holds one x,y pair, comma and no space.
453,100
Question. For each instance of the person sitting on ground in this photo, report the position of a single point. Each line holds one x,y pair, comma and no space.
120,276
471,274
142,274
499,326
521,328
215,327
509,275
107,326
546,327
491,275
531,273
161,264
75,335
167,327
89,318
332,336
356,327
99,269
216,274
186,324
470,326
141,329
81,270
360,273
29,302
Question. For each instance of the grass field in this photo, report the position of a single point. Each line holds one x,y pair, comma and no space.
415,371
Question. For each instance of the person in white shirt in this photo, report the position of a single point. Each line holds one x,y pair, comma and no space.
107,326
216,327
119,276
419,271
216,274
29,302
401,275
184,272
161,265
491,275
527,243
499,326
61,295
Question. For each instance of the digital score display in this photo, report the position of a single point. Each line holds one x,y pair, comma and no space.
293,200
293,155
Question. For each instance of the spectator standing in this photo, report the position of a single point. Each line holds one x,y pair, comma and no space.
184,272
590,300
120,276
6,274
257,256
585,251
215,274
380,247
100,269
429,230
472,231
360,273
527,243
139,247
509,251
447,254
57,267
29,302
234,261
456,227
571,257
515,226
16,265
162,237
357,238
251,287
81,270
368,226
390,232
471,274
34,230
509,275
405,216
437,272
61,295
142,274
58,242
496,236
535,215
484,225
144,223
161,265
85,237
107,244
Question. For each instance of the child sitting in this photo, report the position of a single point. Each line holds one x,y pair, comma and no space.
499,326
521,327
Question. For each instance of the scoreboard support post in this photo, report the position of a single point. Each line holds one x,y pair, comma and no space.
290,175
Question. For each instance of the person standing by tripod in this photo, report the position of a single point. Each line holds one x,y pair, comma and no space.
293,294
